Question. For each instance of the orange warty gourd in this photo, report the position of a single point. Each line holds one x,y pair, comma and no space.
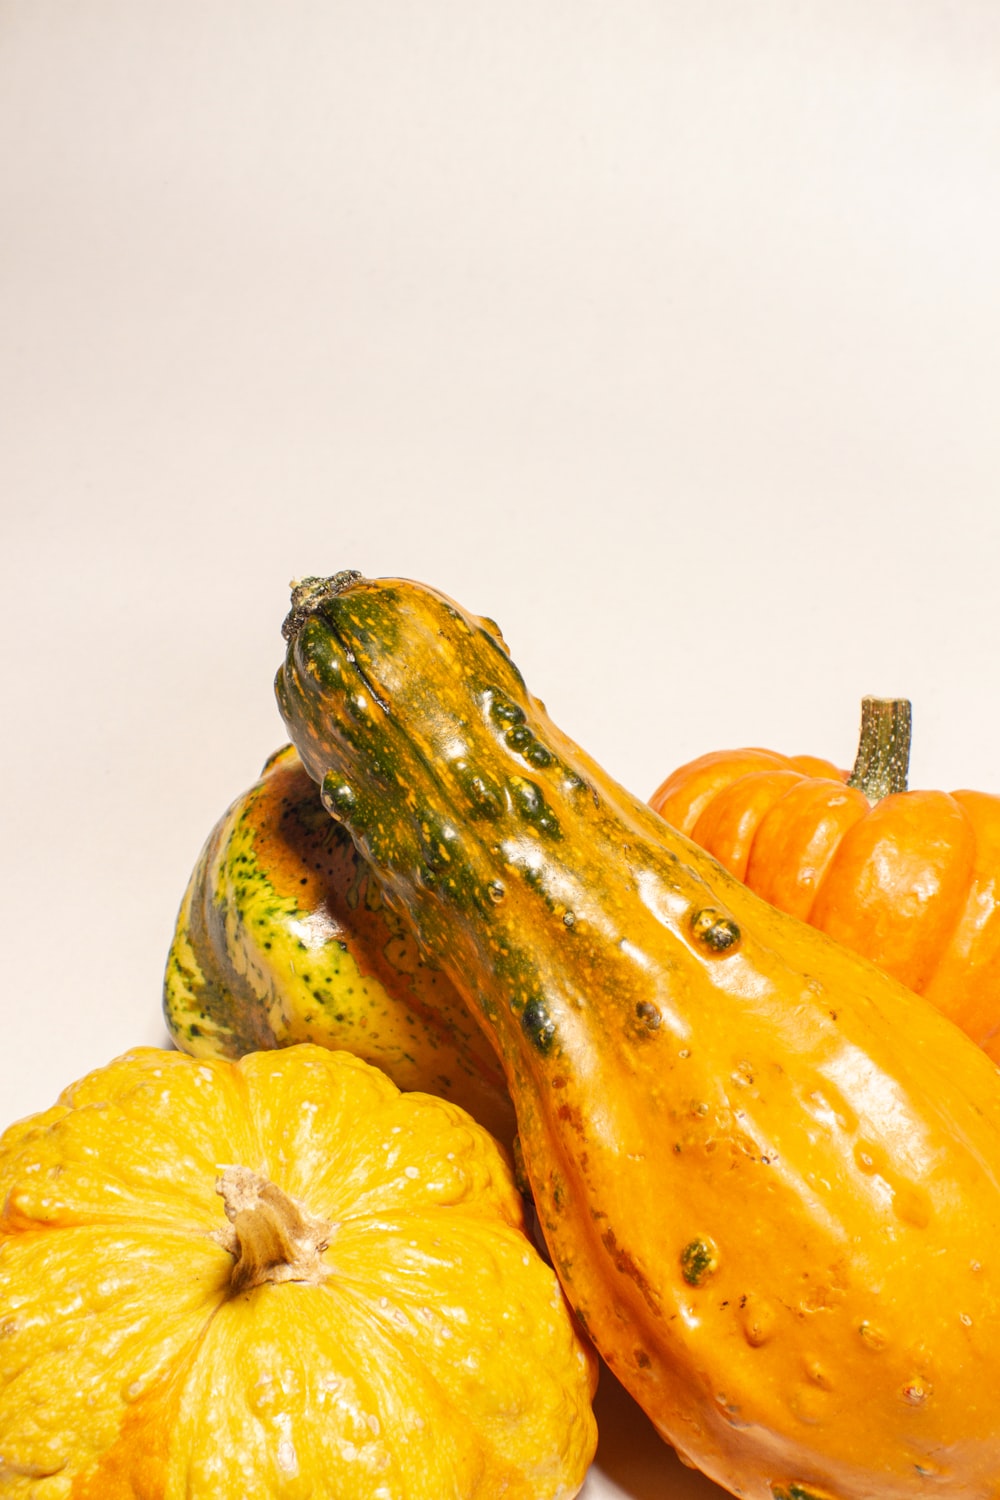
768,1175
908,879
275,1277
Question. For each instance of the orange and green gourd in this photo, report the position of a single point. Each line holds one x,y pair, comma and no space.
768,1175
909,879
276,1277
284,936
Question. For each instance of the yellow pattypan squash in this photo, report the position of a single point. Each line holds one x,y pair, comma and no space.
276,1277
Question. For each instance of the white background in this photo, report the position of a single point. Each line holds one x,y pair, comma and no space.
668,334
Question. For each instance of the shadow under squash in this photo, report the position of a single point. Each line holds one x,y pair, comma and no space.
633,1462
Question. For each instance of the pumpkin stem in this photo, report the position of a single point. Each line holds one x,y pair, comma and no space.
272,1237
883,759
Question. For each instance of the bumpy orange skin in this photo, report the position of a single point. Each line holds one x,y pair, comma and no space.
768,1174
911,882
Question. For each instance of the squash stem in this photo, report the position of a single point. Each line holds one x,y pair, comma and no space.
309,594
272,1237
883,760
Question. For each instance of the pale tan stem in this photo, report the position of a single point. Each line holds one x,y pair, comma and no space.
272,1238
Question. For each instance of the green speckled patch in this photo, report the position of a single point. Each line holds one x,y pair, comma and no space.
284,936
699,1260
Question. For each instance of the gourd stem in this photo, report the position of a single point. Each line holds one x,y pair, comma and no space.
883,759
308,595
272,1237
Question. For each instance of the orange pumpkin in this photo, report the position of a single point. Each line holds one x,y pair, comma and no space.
908,879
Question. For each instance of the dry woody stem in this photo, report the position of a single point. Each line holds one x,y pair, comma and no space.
271,1237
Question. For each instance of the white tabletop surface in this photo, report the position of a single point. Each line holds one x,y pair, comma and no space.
666,334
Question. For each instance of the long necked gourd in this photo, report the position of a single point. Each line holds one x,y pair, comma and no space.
767,1173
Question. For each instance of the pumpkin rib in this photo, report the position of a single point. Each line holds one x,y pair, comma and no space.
966,981
896,887
145,1429
105,1341
730,822
363,1296
797,840
684,796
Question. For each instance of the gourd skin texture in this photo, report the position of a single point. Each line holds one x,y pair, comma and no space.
429,1354
911,883
284,936
767,1174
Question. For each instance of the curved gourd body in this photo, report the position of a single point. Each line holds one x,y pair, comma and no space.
284,936
767,1173
910,881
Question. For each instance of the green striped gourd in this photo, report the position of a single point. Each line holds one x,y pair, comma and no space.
284,935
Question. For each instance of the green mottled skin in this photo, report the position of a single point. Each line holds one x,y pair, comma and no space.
462,804
690,1068
284,936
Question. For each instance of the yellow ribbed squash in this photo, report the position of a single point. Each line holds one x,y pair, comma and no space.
278,1277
